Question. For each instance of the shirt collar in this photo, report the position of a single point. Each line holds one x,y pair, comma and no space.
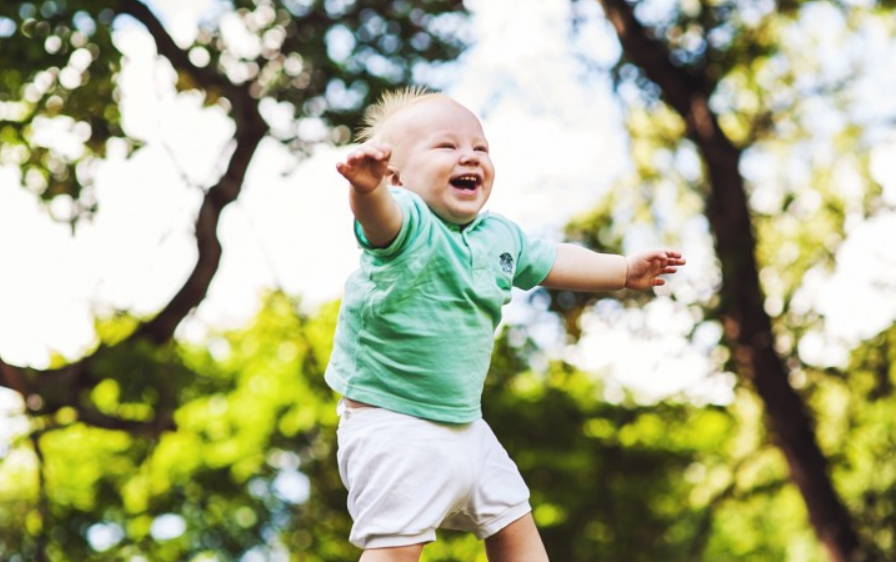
464,228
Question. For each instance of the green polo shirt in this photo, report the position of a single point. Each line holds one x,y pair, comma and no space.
417,322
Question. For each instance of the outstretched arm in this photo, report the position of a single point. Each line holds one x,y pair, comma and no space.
580,269
366,169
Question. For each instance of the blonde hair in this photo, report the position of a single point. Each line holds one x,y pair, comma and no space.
388,105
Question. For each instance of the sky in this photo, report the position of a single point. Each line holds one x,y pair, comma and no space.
558,144
139,248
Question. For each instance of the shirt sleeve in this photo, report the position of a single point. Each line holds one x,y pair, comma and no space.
411,221
534,261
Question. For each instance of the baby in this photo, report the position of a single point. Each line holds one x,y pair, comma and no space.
416,330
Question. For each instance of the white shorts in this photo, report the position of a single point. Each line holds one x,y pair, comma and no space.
408,476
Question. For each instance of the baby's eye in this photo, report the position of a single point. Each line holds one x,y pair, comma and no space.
481,148
445,145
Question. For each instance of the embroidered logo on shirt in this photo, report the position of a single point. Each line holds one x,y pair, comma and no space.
506,263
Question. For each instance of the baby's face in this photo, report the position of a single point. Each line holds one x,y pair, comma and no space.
439,151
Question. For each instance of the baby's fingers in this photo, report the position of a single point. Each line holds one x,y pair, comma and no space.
362,158
344,169
673,257
666,261
369,152
380,152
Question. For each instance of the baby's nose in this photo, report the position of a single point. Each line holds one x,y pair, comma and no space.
469,157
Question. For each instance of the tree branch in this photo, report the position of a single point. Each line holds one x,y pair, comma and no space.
652,56
178,58
250,129
66,387
12,377
63,387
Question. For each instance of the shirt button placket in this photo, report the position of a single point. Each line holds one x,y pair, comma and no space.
463,236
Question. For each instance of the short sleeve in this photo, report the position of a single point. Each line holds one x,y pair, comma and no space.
411,221
534,261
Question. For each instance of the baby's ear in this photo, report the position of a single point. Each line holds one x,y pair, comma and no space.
394,177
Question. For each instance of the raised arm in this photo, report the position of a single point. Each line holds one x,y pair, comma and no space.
367,169
580,269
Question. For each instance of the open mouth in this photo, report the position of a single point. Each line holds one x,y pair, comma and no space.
467,182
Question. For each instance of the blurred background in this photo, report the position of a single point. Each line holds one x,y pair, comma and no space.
174,240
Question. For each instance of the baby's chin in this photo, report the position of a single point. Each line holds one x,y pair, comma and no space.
458,213
456,218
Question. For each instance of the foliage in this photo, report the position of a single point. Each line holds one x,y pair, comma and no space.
793,115
321,61
860,434
251,466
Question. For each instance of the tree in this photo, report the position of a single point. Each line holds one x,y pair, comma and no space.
169,451
60,63
711,75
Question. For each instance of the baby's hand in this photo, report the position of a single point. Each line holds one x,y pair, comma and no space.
644,269
366,166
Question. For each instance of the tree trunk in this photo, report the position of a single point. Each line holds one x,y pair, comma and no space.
747,327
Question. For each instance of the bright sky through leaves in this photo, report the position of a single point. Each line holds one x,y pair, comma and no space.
557,143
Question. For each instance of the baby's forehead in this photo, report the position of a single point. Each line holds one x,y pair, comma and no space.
439,115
